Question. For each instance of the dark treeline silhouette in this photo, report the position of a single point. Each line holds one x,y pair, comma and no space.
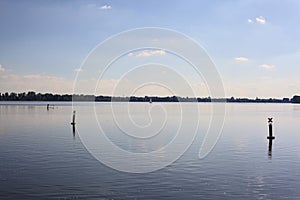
32,96
295,99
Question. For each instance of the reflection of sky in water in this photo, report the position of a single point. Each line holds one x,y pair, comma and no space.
40,158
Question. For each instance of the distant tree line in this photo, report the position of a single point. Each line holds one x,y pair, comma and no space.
32,96
258,100
296,99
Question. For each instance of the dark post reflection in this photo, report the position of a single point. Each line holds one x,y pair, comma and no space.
73,124
270,148
74,131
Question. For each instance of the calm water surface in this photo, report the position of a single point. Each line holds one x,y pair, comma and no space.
41,158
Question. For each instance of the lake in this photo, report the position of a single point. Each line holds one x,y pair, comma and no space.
42,158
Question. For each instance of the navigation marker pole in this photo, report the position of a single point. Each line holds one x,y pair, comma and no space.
270,137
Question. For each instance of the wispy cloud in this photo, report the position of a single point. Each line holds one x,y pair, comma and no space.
151,53
257,20
78,70
250,21
266,66
36,82
260,20
105,7
241,59
2,68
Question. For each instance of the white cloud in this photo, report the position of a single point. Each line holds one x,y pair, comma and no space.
130,54
2,68
266,78
105,7
260,20
151,53
35,82
241,59
78,70
44,83
263,87
265,66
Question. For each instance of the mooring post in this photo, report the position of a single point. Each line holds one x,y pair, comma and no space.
270,137
73,121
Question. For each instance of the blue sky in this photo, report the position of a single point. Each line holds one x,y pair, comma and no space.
254,44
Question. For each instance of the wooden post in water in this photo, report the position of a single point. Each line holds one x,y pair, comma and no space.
73,121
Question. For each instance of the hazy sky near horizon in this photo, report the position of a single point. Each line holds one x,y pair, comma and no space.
254,44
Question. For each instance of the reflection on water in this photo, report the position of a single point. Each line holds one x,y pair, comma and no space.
73,130
270,148
40,160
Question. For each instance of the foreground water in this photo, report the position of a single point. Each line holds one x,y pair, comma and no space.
41,158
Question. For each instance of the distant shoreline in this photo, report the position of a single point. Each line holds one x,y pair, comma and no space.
48,97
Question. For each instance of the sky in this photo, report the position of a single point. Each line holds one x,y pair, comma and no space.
254,44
